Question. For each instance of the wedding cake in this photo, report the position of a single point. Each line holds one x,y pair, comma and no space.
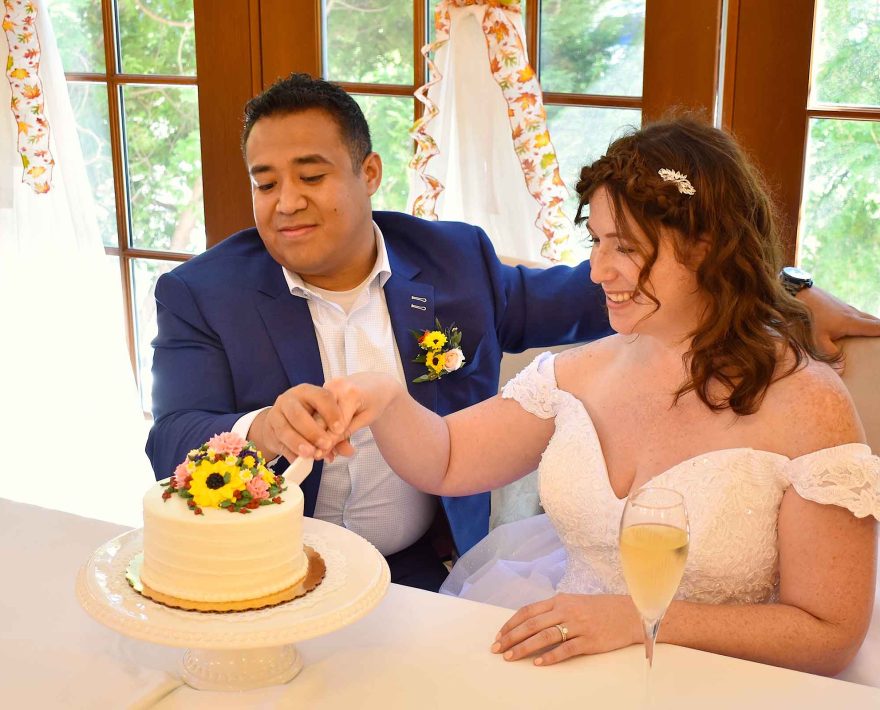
223,528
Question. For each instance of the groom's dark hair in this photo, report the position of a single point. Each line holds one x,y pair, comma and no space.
301,92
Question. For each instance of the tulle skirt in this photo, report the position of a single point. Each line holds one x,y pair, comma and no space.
516,564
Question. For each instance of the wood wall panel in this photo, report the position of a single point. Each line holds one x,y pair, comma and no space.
224,66
769,93
682,38
290,33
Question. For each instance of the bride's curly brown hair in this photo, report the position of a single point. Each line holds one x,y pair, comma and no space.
730,228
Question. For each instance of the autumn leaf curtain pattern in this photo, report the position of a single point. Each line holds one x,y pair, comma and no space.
483,109
22,71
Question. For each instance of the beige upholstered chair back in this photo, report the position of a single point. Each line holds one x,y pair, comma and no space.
862,377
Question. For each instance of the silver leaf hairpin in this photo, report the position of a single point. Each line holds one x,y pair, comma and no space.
681,181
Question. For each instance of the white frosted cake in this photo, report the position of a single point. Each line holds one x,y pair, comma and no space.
223,528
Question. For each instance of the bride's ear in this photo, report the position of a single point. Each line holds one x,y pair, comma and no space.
698,251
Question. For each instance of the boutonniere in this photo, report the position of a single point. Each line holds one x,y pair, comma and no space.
440,351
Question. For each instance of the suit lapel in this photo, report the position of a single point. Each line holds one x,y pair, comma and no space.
411,307
289,322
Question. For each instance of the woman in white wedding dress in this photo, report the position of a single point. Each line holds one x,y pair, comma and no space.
711,387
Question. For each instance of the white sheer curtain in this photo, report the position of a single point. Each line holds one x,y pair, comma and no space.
71,425
484,154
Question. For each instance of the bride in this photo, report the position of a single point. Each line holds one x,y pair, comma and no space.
711,386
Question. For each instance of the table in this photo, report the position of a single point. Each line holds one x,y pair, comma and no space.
415,650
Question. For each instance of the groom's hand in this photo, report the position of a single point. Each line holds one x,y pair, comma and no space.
833,319
304,421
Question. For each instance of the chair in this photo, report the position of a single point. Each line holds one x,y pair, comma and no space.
862,378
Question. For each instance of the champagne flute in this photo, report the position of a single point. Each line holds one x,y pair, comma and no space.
653,550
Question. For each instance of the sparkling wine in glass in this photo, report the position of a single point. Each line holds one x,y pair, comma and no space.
653,550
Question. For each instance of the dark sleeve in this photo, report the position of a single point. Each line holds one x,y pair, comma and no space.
193,396
544,307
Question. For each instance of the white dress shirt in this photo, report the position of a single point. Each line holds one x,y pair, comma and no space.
354,334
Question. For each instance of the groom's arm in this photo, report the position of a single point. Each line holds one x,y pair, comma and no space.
537,307
193,395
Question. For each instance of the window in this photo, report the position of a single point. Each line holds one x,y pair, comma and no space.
604,65
372,48
590,63
813,126
840,223
131,72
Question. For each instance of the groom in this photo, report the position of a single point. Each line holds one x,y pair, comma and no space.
324,287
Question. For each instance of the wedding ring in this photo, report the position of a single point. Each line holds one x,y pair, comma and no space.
563,631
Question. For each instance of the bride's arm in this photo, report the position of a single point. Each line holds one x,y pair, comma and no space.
476,449
827,561
827,556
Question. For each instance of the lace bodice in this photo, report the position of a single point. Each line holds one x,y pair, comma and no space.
732,497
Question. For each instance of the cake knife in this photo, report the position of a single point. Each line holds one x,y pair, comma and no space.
299,469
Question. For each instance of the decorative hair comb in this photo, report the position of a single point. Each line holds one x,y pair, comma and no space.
681,181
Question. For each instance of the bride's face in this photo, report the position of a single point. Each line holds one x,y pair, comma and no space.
615,263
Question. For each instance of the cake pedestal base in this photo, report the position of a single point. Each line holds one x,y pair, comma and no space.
239,650
248,669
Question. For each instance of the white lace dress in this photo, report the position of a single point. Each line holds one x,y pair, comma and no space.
732,498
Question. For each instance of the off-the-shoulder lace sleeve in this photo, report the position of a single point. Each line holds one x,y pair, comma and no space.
535,387
847,475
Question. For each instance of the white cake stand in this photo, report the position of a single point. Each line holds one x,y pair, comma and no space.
247,649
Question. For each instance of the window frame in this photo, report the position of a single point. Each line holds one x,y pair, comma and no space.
114,81
233,66
780,35
242,50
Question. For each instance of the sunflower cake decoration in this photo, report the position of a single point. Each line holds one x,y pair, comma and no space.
225,472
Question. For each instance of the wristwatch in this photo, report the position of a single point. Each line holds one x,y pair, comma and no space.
795,280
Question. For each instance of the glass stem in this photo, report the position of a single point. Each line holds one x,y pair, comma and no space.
650,627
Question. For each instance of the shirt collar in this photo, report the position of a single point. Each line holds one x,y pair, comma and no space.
382,269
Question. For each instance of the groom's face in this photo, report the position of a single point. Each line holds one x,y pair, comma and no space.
311,204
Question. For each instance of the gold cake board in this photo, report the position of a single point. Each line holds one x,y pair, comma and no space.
317,569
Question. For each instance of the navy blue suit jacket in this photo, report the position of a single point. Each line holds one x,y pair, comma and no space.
232,337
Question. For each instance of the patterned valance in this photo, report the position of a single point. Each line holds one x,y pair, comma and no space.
27,104
510,68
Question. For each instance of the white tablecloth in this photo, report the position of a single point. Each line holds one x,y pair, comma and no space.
415,650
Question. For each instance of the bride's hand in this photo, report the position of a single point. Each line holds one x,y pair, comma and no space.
591,624
362,399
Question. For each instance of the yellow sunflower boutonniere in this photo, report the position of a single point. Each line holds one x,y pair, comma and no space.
440,351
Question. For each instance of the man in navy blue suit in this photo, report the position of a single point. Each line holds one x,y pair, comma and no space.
323,287
250,330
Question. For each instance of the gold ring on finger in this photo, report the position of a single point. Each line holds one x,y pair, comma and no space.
563,630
